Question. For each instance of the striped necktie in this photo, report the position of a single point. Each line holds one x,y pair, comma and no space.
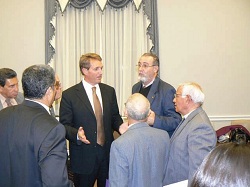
8,102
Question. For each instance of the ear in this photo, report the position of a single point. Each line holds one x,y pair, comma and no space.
84,71
49,91
156,68
126,113
189,99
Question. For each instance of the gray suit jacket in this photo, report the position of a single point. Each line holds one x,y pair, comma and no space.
138,158
161,97
190,143
19,99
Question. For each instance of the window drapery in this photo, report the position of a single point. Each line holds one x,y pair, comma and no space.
120,33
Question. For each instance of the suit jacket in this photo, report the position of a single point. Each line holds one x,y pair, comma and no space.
33,147
160,96
76,111
19,99
138,158
190,143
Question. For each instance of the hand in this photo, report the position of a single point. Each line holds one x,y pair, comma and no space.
123,127
81,136
151,118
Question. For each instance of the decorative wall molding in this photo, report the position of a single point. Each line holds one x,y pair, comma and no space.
229,118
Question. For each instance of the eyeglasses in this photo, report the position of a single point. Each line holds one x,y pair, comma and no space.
179,95
144,66
57,85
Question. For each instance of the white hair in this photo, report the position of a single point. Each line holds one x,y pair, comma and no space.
194,90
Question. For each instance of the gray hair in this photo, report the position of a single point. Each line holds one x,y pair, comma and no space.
194,90
156,61
36,80
137,107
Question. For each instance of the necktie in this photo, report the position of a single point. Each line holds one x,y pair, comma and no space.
99,120
8,102
51,110
182,120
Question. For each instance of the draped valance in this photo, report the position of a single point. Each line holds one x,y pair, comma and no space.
102,3
149,8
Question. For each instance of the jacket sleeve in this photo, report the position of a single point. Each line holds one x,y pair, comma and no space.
52,158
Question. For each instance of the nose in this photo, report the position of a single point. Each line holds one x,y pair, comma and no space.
16,88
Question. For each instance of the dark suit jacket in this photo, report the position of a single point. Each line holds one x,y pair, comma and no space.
76,111
33,147
161,97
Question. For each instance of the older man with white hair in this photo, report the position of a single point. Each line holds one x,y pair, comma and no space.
138,158
193,139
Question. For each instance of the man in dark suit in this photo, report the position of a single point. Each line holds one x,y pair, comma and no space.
159,93
9,94
193,139
32,141
90,133
139,157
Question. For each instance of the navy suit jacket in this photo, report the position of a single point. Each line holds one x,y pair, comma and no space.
160,96
76,111
33,147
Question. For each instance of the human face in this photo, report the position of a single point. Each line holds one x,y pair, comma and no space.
10,89
147,71
180,102
58,88
93,75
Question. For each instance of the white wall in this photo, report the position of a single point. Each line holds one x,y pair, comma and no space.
207,41
22,34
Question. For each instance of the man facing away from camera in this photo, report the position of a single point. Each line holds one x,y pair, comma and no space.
32,141
138,158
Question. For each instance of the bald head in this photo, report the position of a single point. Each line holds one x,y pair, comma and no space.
137,107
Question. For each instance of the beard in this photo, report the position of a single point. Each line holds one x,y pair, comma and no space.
142,79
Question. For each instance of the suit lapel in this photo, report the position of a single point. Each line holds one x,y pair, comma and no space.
104,100
181,126
153,90
82,95
137,87
1,106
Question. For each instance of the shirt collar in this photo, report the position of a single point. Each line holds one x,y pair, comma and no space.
145,86
44,106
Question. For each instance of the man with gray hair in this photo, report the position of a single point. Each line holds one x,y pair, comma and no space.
138,158
193,139
32,141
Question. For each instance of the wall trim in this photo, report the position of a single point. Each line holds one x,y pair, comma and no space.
229,118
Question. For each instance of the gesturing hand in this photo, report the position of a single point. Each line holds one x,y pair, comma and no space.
81,136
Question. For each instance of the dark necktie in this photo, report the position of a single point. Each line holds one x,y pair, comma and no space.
99,120
8,102
51,110
182,121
